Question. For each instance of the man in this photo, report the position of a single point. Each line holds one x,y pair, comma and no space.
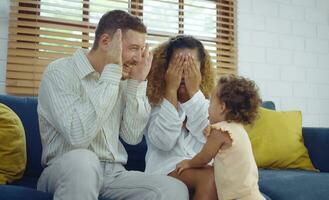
85,102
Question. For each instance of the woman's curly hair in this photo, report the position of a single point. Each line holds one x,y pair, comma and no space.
161,58
241,98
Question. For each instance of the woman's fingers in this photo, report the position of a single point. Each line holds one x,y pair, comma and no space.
181,60
193,67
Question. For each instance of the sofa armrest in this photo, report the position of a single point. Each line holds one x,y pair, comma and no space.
317,142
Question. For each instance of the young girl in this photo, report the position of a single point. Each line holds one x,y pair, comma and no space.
233,103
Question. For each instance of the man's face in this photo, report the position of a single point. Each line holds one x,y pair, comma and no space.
133,44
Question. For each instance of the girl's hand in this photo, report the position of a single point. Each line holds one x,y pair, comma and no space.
206,131
180,167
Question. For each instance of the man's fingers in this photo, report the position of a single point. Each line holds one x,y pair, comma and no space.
117,35
146,51
149,61
115,48
116,42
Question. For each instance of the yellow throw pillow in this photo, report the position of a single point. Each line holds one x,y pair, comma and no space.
12,146
277,142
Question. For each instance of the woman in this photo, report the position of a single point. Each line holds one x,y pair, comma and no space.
180,80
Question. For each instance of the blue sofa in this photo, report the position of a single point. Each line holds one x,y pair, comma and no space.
276,184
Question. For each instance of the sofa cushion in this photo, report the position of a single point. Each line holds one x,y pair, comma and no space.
26,109
12,146
294,184
27,181
277,141
268,104
9,192
317,142
136,155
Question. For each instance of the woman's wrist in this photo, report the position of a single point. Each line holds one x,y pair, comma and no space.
171,96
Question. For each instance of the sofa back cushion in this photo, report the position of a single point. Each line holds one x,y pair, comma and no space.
12,146
317,142
26,109
136,155
268,104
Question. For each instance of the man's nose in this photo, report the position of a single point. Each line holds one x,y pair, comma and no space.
138,56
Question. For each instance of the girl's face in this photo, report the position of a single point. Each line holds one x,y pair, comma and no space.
216,108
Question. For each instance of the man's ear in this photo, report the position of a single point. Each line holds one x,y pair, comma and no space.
104,41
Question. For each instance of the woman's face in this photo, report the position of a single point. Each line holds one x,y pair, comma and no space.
182,93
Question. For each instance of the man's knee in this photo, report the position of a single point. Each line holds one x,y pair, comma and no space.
174,189
74,172
81,161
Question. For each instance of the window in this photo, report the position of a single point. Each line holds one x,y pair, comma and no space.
43,30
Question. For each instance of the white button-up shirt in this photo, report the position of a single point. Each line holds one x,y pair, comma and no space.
80,108
168,141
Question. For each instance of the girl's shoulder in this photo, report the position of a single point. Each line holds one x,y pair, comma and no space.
226,126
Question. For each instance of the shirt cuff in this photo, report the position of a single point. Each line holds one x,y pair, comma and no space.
112,73
170,112
136,88
190,104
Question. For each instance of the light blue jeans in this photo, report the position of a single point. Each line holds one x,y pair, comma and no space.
79,174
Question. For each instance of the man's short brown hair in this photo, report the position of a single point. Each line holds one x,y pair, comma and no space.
117,19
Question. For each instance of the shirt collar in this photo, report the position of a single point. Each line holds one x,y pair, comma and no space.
82,64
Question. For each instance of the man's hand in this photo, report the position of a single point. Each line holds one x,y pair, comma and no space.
192,76
141,70
114,54
183,165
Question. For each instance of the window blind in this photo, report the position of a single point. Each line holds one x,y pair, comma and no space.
41,31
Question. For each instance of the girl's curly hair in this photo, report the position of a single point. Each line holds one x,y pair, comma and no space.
161,58
241,98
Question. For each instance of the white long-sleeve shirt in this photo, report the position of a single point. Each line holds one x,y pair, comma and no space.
168,142
80,108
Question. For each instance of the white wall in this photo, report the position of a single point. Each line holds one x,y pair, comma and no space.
284,46
4,15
